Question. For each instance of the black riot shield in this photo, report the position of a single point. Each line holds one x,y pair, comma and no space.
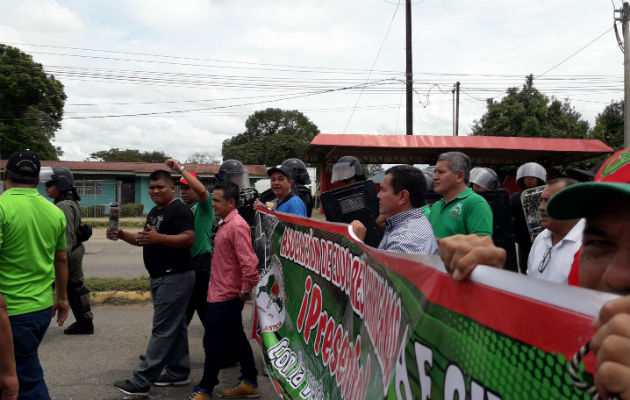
502,230
357,201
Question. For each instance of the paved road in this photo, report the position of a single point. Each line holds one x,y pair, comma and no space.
85,367
106,258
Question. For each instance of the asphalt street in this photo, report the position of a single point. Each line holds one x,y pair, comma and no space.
106,258
85,367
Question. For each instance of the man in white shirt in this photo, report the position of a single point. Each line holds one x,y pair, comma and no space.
553,250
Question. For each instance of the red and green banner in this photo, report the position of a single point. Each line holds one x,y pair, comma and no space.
341,320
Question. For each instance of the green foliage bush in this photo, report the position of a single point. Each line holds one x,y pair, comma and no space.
131,210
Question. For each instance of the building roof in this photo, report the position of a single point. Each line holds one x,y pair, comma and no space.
483,150
140,168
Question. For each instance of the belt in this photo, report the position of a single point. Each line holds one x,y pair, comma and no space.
167,271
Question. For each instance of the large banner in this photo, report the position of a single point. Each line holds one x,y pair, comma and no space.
341,320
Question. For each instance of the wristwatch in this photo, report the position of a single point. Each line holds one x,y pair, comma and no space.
245,294
182,168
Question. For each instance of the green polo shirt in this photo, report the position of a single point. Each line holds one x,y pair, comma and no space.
31,230
467,213
204,216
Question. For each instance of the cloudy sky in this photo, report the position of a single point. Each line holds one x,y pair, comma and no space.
182,76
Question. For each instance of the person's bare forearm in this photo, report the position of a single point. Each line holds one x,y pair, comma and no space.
7,359
61,274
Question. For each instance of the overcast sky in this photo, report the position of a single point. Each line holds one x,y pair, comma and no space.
182,76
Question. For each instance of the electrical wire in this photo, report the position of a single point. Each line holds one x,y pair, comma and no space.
378,53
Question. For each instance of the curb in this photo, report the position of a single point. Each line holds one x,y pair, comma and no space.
119,297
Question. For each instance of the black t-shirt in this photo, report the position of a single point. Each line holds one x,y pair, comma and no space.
173,219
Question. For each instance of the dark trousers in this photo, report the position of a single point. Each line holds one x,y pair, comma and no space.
224,329
28,331
199,296
168,346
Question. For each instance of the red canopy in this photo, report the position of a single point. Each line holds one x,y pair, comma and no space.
483,150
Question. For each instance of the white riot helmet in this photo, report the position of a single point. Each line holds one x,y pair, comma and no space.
531,169
484,177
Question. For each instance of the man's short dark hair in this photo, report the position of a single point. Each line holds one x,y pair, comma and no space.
457,161
161,174
24,180
411,179
230,190
567,181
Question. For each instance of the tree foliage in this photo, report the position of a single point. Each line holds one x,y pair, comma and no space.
529,113
132,155
609,125
31,105
271,136
200,157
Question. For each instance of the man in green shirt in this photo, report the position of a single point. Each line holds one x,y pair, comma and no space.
32,257
195,195
460,210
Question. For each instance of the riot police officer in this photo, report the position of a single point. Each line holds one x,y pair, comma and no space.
528,175
60,187
483,179
234,171
348,170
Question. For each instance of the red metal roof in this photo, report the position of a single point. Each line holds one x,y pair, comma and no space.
140,168
483,150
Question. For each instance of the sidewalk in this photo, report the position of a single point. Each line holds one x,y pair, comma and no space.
85,367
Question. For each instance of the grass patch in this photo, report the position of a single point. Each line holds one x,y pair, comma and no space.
119,284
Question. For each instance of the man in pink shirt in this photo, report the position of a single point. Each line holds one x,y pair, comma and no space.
233,276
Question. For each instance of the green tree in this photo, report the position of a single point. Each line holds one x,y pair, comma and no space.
132,155
31,105
271,136
609,125
529,113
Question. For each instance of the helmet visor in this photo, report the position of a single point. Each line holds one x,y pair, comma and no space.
342,171
240,179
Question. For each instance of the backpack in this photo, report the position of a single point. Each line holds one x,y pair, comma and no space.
84,233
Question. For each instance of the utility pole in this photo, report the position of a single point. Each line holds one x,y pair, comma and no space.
409,69
457,108
624,17
626,75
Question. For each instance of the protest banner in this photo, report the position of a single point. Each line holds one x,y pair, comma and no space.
341,320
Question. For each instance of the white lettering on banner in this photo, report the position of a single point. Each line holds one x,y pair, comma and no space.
372,298
454,382
286,362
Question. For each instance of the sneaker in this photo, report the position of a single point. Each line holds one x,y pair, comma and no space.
164,380
199,394
243,389
128,388
80,328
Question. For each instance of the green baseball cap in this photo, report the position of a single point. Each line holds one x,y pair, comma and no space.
577,200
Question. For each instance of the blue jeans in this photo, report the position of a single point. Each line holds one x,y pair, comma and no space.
168,346
28,331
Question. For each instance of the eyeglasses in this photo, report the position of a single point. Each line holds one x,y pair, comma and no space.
545,261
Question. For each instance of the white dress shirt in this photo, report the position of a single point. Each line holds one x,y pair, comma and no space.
553,263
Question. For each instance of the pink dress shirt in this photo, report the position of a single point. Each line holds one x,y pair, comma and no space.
234,263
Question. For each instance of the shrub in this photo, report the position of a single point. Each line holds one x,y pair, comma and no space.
131,210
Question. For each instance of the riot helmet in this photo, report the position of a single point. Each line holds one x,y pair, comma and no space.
61,177
347,167
233,171
298,171
484,177
533,170
428,177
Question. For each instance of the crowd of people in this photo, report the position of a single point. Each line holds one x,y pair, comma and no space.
199,256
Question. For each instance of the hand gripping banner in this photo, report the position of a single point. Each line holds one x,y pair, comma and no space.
340,320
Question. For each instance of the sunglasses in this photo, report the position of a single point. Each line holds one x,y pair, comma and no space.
545,261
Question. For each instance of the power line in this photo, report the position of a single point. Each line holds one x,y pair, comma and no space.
378,53
575,53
